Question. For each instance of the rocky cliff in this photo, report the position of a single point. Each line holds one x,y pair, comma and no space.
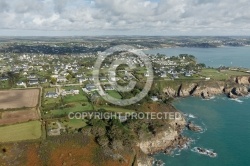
162,140
238,86
159,143
169,138
243,80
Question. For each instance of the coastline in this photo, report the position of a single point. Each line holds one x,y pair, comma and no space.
165,47
225,121
167,141
233,88
163,142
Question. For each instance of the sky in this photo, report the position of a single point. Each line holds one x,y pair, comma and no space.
124,17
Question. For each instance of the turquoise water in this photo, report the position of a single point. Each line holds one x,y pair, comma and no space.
227,124
214,57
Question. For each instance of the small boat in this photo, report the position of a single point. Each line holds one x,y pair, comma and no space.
204,151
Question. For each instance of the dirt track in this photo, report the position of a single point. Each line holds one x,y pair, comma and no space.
19,98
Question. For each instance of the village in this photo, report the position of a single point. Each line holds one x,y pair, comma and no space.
40,89
67,82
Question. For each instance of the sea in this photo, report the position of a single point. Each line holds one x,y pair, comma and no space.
226,122
226,125
213,57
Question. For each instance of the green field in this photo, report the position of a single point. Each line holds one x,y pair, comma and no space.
114,109
22,131
4,85
75,98
75,107
75,123
220,75
114,94
52,101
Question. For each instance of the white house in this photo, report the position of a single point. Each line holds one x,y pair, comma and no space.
61,79
188,74
51,95
20,83
33,82
81,80
146,74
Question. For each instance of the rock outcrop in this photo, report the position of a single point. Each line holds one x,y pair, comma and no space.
243,80
187,90
191,126
159,142
231,95
162,140
170,92
207,90
145,161
238,86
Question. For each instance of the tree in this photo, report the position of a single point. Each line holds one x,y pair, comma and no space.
13,78
68,77
201,65
53,80
190,66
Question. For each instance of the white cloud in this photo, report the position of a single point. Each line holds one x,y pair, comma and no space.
143,17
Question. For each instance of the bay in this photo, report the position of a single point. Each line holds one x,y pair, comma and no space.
213,57
227,124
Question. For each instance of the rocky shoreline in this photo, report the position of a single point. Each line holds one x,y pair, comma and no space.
171,139
233,88
165,142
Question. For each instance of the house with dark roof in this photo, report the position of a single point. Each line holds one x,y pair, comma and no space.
33,81
51,95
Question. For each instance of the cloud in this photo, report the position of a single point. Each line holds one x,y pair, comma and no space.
60,5
4,7
142,17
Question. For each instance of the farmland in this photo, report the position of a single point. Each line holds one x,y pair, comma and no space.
12,117
23,131
12,99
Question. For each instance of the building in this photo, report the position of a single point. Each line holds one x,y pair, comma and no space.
20,83
32,76
103,78
83,79
79,75
188,74
175,76
4,78
70,92
33,81
43,81
91,87
51,95
108,87
61,79
146,74
164,74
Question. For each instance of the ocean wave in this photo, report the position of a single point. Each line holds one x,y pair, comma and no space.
248,96
237,100
191,116
210,98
